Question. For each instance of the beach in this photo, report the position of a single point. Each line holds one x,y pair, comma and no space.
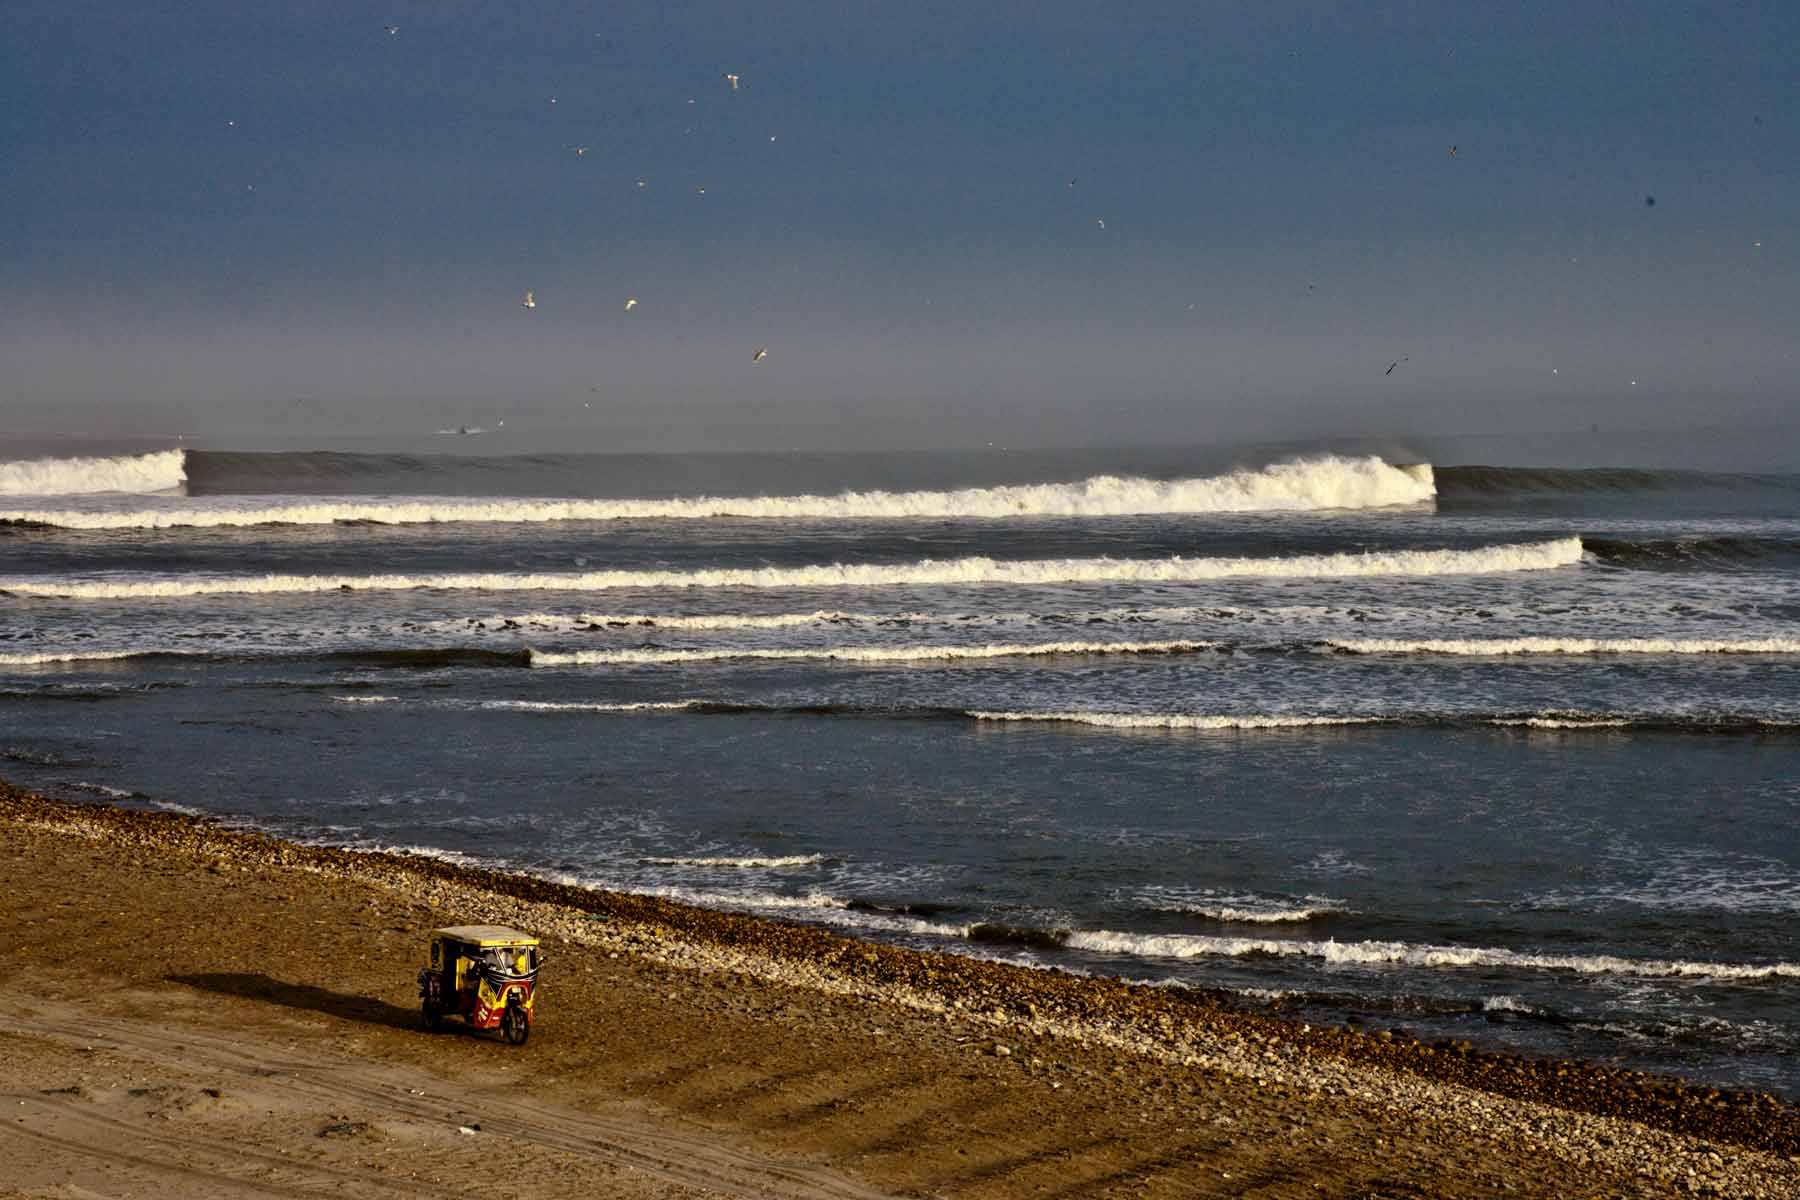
198,1010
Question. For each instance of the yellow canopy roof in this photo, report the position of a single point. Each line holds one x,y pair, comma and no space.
485,935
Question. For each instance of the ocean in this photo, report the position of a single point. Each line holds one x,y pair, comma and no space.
1505,753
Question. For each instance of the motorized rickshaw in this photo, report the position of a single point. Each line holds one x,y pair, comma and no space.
486,974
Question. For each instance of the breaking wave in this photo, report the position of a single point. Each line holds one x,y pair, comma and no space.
974,571
1716,723
156,472
1145,945
1309,485
745,863
37,658
541,658
1565,645
1103,720
1235,908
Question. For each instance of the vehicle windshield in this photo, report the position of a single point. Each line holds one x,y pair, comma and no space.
510,960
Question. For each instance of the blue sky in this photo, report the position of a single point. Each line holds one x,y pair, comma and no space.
234,219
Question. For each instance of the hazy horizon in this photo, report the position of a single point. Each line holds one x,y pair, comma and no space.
946,228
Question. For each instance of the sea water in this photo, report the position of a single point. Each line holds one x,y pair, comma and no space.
1505,753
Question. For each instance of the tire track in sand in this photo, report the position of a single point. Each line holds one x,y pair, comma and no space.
663,1151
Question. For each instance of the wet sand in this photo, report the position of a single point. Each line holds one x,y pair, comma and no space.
196,1011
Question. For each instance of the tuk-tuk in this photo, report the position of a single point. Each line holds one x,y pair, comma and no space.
486,974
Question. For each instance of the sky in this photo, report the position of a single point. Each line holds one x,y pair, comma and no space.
1048,223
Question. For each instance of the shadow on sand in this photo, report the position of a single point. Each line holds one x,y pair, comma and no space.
314,999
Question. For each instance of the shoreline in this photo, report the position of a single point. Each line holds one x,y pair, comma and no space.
1547,1118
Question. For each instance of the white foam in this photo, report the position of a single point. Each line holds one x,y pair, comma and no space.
1562,722
1534,556
38,657
727,620
747,863
1313,484
156,472
100,789
1506,1004
586,706
1175,720
185,810
1406,954
811,902
1253,910
1567,645
1256,916
1685,881
366,699
862,653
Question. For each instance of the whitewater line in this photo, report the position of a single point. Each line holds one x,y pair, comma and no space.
1317,484
1410,955
1106,720
541,658
1551,719
976,571
1565,645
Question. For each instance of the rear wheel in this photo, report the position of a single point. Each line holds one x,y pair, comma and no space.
432,1018
515,1024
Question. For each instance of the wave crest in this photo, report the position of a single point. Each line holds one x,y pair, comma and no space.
1565,645
743,863
1410,955
975,571
542,658
156,472
1104,720
1303,486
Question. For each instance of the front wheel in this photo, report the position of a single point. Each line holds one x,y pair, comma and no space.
515,1024
430,1016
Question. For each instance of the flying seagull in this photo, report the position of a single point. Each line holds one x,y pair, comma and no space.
630,303
392,29
762,352
1100,221
579,150
732,80
1453,152
529,301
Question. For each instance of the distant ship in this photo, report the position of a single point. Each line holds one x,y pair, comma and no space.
463,429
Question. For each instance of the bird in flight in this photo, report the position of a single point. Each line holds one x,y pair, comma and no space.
630,303
529,301
579,150
1396,363
1453,152
762,352
391,29
732,80
1100,221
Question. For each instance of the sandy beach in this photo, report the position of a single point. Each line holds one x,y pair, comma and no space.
197,1011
